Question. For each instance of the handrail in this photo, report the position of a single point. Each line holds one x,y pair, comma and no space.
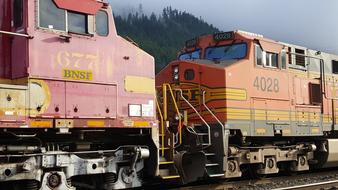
162,126
16,34
177,111
209,129
213,115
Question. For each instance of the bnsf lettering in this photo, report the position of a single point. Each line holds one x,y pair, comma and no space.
191,94
77,75
266,84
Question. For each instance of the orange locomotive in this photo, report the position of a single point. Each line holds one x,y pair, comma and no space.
248,102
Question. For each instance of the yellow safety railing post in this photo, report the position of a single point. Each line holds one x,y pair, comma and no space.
165,114
162,127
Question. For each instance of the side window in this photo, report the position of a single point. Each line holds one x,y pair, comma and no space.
77,23
335,67
283,59
271,60
101,20
300,57
258,55
50,16
17,13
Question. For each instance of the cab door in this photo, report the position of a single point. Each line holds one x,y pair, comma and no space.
19,44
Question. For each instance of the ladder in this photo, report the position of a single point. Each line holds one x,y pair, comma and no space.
168,139
214,166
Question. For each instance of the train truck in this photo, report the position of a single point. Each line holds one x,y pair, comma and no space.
72,111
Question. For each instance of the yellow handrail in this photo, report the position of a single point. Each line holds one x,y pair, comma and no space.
164,114
162,126
177,111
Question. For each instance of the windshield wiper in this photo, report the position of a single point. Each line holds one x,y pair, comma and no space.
229,47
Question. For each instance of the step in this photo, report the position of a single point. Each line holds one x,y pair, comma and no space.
170,177
198,125
209,154
164,148
202,134
211,165
216,175
167,162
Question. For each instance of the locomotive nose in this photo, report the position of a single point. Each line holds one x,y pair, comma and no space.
185,72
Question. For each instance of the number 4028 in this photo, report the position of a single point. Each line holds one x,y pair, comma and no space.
266,84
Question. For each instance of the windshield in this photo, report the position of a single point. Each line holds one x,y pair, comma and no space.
190,56
228,52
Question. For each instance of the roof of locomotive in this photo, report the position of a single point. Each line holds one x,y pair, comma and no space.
260,37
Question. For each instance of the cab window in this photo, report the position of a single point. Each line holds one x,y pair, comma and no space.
271,60
17,13
101,21
190,55
53,18
77,23
227,52
50,16
259,55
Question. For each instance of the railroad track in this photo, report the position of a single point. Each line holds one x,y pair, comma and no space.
321,180
327,185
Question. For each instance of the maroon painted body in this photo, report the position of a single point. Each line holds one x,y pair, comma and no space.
5,13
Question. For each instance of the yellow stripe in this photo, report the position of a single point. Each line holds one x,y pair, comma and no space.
41,123
95,123
270,115
141,124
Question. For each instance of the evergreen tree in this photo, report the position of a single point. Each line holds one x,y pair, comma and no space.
162,36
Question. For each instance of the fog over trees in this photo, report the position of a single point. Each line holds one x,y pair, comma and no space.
161,35
309,23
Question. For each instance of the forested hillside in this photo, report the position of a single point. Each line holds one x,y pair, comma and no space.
162,36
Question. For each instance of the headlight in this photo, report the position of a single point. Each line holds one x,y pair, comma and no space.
176,77
176,72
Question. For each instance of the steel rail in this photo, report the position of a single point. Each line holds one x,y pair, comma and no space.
308,185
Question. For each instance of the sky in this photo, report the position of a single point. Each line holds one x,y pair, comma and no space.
309,23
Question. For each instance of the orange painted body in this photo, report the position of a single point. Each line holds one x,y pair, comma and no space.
258,100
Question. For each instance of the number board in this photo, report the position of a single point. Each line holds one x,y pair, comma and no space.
224,36
267,84
191,43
